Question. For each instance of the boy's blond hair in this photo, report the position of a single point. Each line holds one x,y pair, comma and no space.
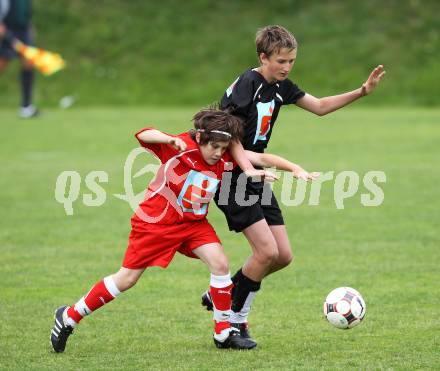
271,39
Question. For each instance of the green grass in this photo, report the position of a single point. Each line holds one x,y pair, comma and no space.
389,253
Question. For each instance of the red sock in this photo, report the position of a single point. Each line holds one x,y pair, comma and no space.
221,298
102,293
220,326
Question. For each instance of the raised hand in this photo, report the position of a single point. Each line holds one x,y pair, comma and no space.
373,80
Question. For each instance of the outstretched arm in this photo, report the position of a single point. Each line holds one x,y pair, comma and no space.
322,106
156,136
270,160
239,154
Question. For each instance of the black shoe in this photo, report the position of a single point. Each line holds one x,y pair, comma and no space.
235,341
60,331
244,330
207,301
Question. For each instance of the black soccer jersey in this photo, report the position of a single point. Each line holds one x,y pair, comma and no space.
257,102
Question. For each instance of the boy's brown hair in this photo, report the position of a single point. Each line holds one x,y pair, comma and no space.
271,39
215,125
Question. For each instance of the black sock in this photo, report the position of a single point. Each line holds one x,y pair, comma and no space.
242,287
27,79
237,276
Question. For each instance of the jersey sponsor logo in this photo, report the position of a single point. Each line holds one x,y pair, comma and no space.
265,111
231,88
197,192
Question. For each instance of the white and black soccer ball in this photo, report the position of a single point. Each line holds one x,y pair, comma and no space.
344,307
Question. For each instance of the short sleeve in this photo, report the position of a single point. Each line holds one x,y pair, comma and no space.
238,96
162,151
291,93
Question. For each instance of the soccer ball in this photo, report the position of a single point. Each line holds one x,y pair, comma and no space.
344,307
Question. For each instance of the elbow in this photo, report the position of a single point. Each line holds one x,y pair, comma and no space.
323,108
326,111
320,112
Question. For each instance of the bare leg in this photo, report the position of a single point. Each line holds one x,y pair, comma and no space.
271,251
126,278
285,255
213,256
103,292
264,251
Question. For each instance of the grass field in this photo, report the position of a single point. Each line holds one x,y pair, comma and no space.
389,253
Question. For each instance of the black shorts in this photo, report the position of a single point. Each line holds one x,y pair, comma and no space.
24,35
240,217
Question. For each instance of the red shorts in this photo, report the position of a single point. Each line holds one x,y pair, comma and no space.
155,244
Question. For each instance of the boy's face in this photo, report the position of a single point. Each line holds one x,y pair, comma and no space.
278,66
213,151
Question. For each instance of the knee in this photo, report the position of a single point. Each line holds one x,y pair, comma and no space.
220,266
285,259
131,281
126,281
267,254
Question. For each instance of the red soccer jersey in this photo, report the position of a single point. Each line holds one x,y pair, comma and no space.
184,184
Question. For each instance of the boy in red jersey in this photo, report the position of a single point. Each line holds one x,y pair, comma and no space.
173,218
257,96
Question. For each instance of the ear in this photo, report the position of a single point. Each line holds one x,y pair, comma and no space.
264,59
198,137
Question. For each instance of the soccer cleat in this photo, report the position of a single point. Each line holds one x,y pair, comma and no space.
207,301
235,341
60,331
244,330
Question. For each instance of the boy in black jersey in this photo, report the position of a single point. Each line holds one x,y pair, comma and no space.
256,97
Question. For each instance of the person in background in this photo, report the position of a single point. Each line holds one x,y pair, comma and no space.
15,19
